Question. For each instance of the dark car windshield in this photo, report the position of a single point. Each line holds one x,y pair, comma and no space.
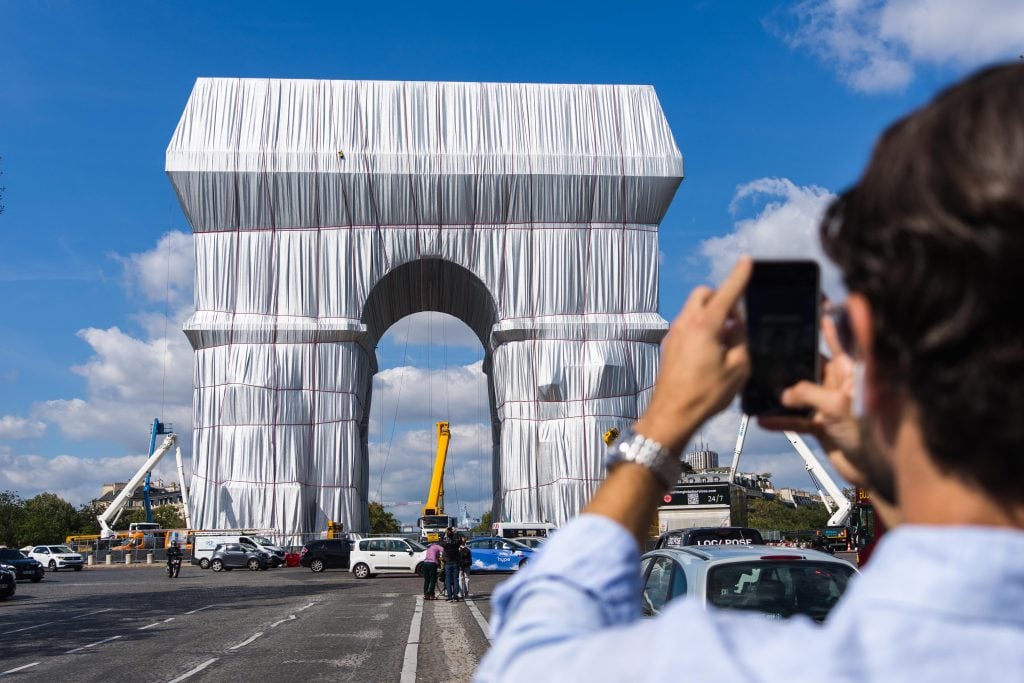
780,588
11,554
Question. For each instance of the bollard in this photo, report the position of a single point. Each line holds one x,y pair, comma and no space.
90,559
127,558
149,558
110,559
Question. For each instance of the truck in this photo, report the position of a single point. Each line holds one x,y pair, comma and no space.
434,521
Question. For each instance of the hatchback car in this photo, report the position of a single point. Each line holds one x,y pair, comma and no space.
778,582
710,535
235,556
372,556
23,567
326,553
55,557
494,554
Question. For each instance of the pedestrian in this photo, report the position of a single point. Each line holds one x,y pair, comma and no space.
921,403
430,560
450,543
465,564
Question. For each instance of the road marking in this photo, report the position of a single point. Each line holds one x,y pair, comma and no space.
109,609
143,628
484,626
98,642
20,668
200,609
194,671
412,646
246,642
29,628
306,606
290,617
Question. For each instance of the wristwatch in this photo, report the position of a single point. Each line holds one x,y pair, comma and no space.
633,447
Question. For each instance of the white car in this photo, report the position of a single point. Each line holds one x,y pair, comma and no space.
55,557
371,556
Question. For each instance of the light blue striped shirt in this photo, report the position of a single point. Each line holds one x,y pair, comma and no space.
934,604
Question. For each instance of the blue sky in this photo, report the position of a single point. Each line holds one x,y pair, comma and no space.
773,105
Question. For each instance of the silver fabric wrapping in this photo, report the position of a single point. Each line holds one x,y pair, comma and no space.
325,211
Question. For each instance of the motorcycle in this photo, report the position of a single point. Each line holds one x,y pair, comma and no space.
173,566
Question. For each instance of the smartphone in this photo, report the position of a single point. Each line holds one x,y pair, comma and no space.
782,306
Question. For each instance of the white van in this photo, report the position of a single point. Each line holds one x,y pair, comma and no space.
204,544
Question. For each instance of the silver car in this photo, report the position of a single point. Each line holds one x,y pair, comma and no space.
778,582
236,555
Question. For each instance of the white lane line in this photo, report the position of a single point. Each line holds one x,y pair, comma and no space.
99,611
200,609
143,628
194,671
484,626
412,646
20,668
86,647
29,628
306,606
290,617
246,641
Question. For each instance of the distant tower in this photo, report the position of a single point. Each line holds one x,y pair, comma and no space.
702,457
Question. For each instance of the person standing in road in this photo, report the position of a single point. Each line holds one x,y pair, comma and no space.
921,403
465,563
430,560
450,544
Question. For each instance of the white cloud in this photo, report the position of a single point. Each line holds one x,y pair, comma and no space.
13,427
456,393
785,226
166,273
76,480
876,45
433,328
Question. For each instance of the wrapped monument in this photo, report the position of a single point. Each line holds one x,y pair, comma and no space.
325,211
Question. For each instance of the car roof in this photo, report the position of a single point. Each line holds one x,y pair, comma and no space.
709,553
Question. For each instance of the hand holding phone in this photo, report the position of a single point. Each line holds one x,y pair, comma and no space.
783,304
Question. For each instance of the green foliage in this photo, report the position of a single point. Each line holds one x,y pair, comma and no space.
129,517
382,521
12,512
485,523
774,514
168,517
48,519
87,523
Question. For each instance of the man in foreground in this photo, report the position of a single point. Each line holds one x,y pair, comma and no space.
931,245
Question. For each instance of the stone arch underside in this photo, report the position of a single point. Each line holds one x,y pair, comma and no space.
304,196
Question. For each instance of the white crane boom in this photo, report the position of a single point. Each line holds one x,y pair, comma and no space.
184,491
740,438
821,478
110,515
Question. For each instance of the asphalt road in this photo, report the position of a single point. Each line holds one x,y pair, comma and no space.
102,624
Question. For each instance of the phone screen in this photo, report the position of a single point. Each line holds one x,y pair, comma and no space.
783,302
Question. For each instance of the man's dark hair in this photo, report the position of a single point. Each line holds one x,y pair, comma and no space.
933,236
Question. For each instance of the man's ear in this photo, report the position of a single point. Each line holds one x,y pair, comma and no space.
862,324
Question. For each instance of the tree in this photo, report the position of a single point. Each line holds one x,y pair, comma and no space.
382,521
48,519
87,522
168,517
485,523
12,512
774,514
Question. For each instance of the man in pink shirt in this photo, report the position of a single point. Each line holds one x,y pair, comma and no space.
430,561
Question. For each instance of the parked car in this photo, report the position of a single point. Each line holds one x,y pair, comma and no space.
228,556
778,582
55,557
8,582
534,542
326,553
371,556
493,554
710,535
24,567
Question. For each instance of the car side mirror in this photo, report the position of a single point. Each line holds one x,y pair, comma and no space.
410,553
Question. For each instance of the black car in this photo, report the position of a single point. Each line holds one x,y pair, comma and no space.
326,554
24,567
710,535
8,582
